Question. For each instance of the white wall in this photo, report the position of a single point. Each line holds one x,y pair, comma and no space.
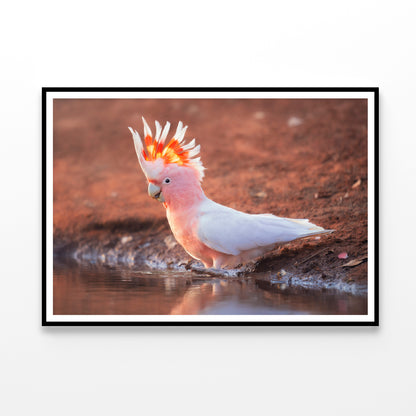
201,371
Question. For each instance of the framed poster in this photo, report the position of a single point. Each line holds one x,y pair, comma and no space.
264,211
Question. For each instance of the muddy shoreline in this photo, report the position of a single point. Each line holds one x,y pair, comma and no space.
309,264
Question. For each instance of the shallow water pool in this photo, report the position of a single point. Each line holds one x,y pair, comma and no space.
89,289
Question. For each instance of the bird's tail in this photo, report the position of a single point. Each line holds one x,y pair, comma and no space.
306,228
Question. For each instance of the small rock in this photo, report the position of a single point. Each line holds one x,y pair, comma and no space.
193,108
259,115
170,241
126,239
294,121
257,193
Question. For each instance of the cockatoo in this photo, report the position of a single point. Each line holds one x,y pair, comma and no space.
214,234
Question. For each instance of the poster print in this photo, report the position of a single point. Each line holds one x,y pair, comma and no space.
210,206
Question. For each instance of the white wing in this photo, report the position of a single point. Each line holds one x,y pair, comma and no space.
230,231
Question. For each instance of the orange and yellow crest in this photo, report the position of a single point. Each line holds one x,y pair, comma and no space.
174,151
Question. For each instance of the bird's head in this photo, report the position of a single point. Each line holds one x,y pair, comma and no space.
171,167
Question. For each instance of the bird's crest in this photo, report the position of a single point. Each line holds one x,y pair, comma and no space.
173,151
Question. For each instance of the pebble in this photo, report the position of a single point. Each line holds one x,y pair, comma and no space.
170,241
294,121
259,115
126,239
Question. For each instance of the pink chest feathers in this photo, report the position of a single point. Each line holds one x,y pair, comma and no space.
184,226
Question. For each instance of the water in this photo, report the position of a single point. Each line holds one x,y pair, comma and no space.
103,290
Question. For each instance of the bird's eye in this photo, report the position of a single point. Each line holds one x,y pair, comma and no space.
167,180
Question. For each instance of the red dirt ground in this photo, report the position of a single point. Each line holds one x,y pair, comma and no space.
258,160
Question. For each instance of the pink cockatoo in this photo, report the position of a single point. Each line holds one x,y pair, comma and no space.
216,235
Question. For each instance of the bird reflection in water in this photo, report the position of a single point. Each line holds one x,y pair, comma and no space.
102,290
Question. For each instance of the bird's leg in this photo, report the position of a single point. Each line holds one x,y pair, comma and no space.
218,262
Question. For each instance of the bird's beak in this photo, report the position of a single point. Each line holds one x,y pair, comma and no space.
155,192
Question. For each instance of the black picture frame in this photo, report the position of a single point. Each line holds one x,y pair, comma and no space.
47,250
